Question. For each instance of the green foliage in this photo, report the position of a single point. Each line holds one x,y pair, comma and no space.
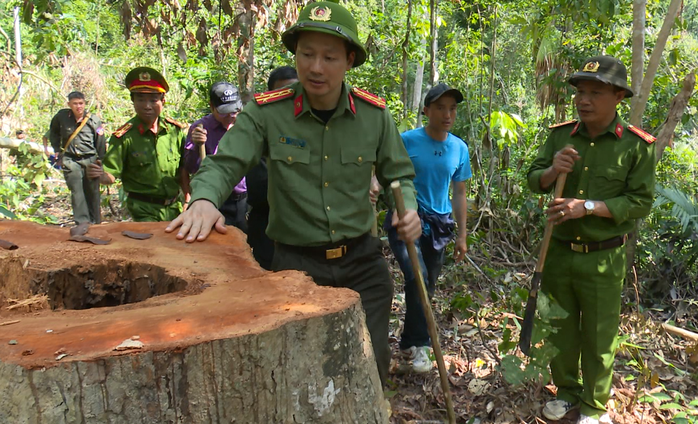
517,370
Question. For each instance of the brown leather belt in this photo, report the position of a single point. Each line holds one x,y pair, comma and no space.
328,251
152,199
600,245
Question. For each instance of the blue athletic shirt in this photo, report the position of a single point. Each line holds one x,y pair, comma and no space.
436,164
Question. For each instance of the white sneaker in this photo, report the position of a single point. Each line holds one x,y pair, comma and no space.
418,358
604,419
556,409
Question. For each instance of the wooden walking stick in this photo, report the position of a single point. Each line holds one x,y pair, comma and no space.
530,314
202,146
426,306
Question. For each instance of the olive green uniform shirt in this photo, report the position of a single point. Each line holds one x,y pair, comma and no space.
89,141
319,174
147,163
616,167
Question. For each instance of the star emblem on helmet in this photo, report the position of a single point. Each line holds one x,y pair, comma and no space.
144,76
591,67
320,13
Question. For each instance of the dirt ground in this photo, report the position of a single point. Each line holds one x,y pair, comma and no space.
656,363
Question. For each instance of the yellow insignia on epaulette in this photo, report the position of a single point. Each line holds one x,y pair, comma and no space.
273,96
649,138
122,130
562,124
176,123
369,97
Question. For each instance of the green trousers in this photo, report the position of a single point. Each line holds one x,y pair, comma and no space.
587,286
364,270
84,192
150,212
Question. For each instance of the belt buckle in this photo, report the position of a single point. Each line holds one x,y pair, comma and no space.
335,253
579,248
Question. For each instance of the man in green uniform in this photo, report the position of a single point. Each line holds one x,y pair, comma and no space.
77,138
610,183
146,152
321,138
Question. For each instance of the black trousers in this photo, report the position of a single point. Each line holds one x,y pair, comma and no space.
234,209
362,269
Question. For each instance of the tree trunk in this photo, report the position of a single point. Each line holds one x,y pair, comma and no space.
405,49
676,111
638,58
223,341
418,82
246,55
433,77
648,80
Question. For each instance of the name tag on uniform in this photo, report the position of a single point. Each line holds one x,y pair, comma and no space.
292,141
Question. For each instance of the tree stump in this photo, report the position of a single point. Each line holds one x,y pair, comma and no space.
223,341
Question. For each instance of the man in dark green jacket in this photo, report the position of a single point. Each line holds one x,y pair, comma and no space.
146,152
321,138
610,183
77,138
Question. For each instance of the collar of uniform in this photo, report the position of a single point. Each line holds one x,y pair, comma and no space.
142,129
616,127
301,106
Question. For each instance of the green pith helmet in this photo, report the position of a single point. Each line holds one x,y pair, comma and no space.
330,18
606,69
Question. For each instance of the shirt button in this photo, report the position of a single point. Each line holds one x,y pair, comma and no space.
326,157
327,184
290,159
581,191
333,231
592,144
578,238
586,168
361,159
327,128
328,208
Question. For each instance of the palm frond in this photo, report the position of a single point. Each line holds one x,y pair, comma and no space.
684,207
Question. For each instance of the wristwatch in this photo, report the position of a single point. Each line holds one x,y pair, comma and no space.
589,205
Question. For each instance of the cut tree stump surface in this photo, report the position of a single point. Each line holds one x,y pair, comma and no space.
227,294
223,341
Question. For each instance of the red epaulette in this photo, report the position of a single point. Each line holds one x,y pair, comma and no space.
273,96
562,124
649,138
122,130
176,123
369,97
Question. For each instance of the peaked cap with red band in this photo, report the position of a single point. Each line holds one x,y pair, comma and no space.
146,80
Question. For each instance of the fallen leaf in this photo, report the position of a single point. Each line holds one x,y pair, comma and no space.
137,236
92,240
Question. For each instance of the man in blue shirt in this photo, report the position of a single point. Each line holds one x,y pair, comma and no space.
440,161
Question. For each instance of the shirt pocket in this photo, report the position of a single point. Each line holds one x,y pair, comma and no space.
609,182
289,166
144,168
356,163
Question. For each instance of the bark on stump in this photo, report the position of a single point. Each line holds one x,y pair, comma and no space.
223,340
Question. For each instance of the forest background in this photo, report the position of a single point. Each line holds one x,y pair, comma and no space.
511,59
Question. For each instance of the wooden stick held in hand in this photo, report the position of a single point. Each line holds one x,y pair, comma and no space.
426,306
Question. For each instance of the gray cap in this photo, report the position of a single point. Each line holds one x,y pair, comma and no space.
225,97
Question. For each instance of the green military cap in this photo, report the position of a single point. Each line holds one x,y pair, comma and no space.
330,18
606,69
146,80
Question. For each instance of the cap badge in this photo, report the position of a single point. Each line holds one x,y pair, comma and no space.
591,67
320,13
144,76
228,93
